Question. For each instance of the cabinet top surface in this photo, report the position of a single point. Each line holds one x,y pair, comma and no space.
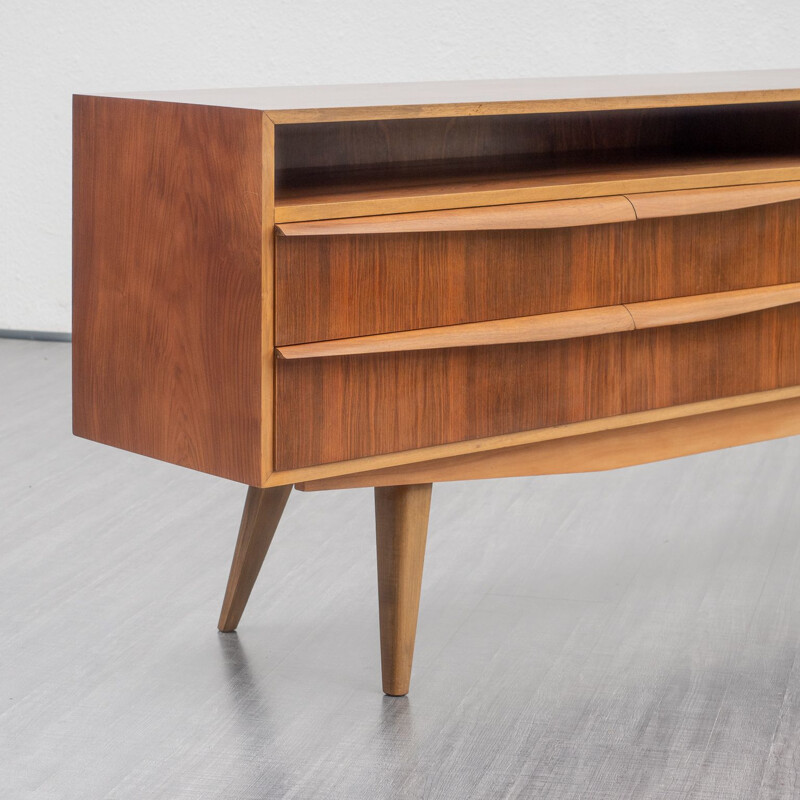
287,104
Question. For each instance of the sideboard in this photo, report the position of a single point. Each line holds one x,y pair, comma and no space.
393,285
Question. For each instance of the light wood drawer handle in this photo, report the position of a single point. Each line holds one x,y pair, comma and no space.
517,216
705,201
556,213
559,325
539,328
702,307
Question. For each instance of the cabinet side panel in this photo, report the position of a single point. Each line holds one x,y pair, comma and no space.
167,273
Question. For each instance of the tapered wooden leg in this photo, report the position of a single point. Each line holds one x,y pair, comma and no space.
401,522
262,513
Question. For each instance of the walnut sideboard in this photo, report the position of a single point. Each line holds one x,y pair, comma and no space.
390,286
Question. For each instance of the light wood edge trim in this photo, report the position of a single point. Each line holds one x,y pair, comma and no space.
703,307
267,295
719,198
511,216
287,211
538,328
558,325
353,114
603,450
368,463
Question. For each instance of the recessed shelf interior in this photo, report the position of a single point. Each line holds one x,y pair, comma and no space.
328,170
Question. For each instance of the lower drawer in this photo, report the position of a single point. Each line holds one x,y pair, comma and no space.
341,408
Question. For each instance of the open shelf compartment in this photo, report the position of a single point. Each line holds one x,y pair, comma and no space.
346,169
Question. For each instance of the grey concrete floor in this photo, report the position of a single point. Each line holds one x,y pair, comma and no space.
631,634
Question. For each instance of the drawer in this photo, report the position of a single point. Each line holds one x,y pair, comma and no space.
336,279
346,407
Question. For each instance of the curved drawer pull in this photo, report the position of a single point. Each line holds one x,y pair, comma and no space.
706,201
538,328
517,216
556,213
559,325
702,307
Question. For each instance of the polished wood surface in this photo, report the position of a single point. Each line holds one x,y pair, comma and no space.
602,450
715,252
342,286
309,155
401,525
168,316
557,213
300,476
335,409
315,104
516,216
682,310
263,509
267,386
720,198
540,328
427,186
560,325
338,287
175,350
390,286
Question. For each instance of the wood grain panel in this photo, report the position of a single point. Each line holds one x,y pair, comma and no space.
602,450
302,149
287,104
690,363
703,253
539,328
340,286
267,296
337,287
704,201
352,407
304,152
346,169
694,96
558,213
698,308
559,325
427,186
518,438
168,316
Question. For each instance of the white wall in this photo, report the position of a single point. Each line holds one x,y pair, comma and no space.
52,48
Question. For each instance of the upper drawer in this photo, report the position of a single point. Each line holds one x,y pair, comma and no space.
344,278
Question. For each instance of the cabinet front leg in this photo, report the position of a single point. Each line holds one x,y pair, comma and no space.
262,513
401,517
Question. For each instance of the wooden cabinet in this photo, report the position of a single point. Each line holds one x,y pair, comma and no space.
361,286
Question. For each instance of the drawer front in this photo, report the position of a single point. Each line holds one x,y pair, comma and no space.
330,287
338,286
678,256
340,408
